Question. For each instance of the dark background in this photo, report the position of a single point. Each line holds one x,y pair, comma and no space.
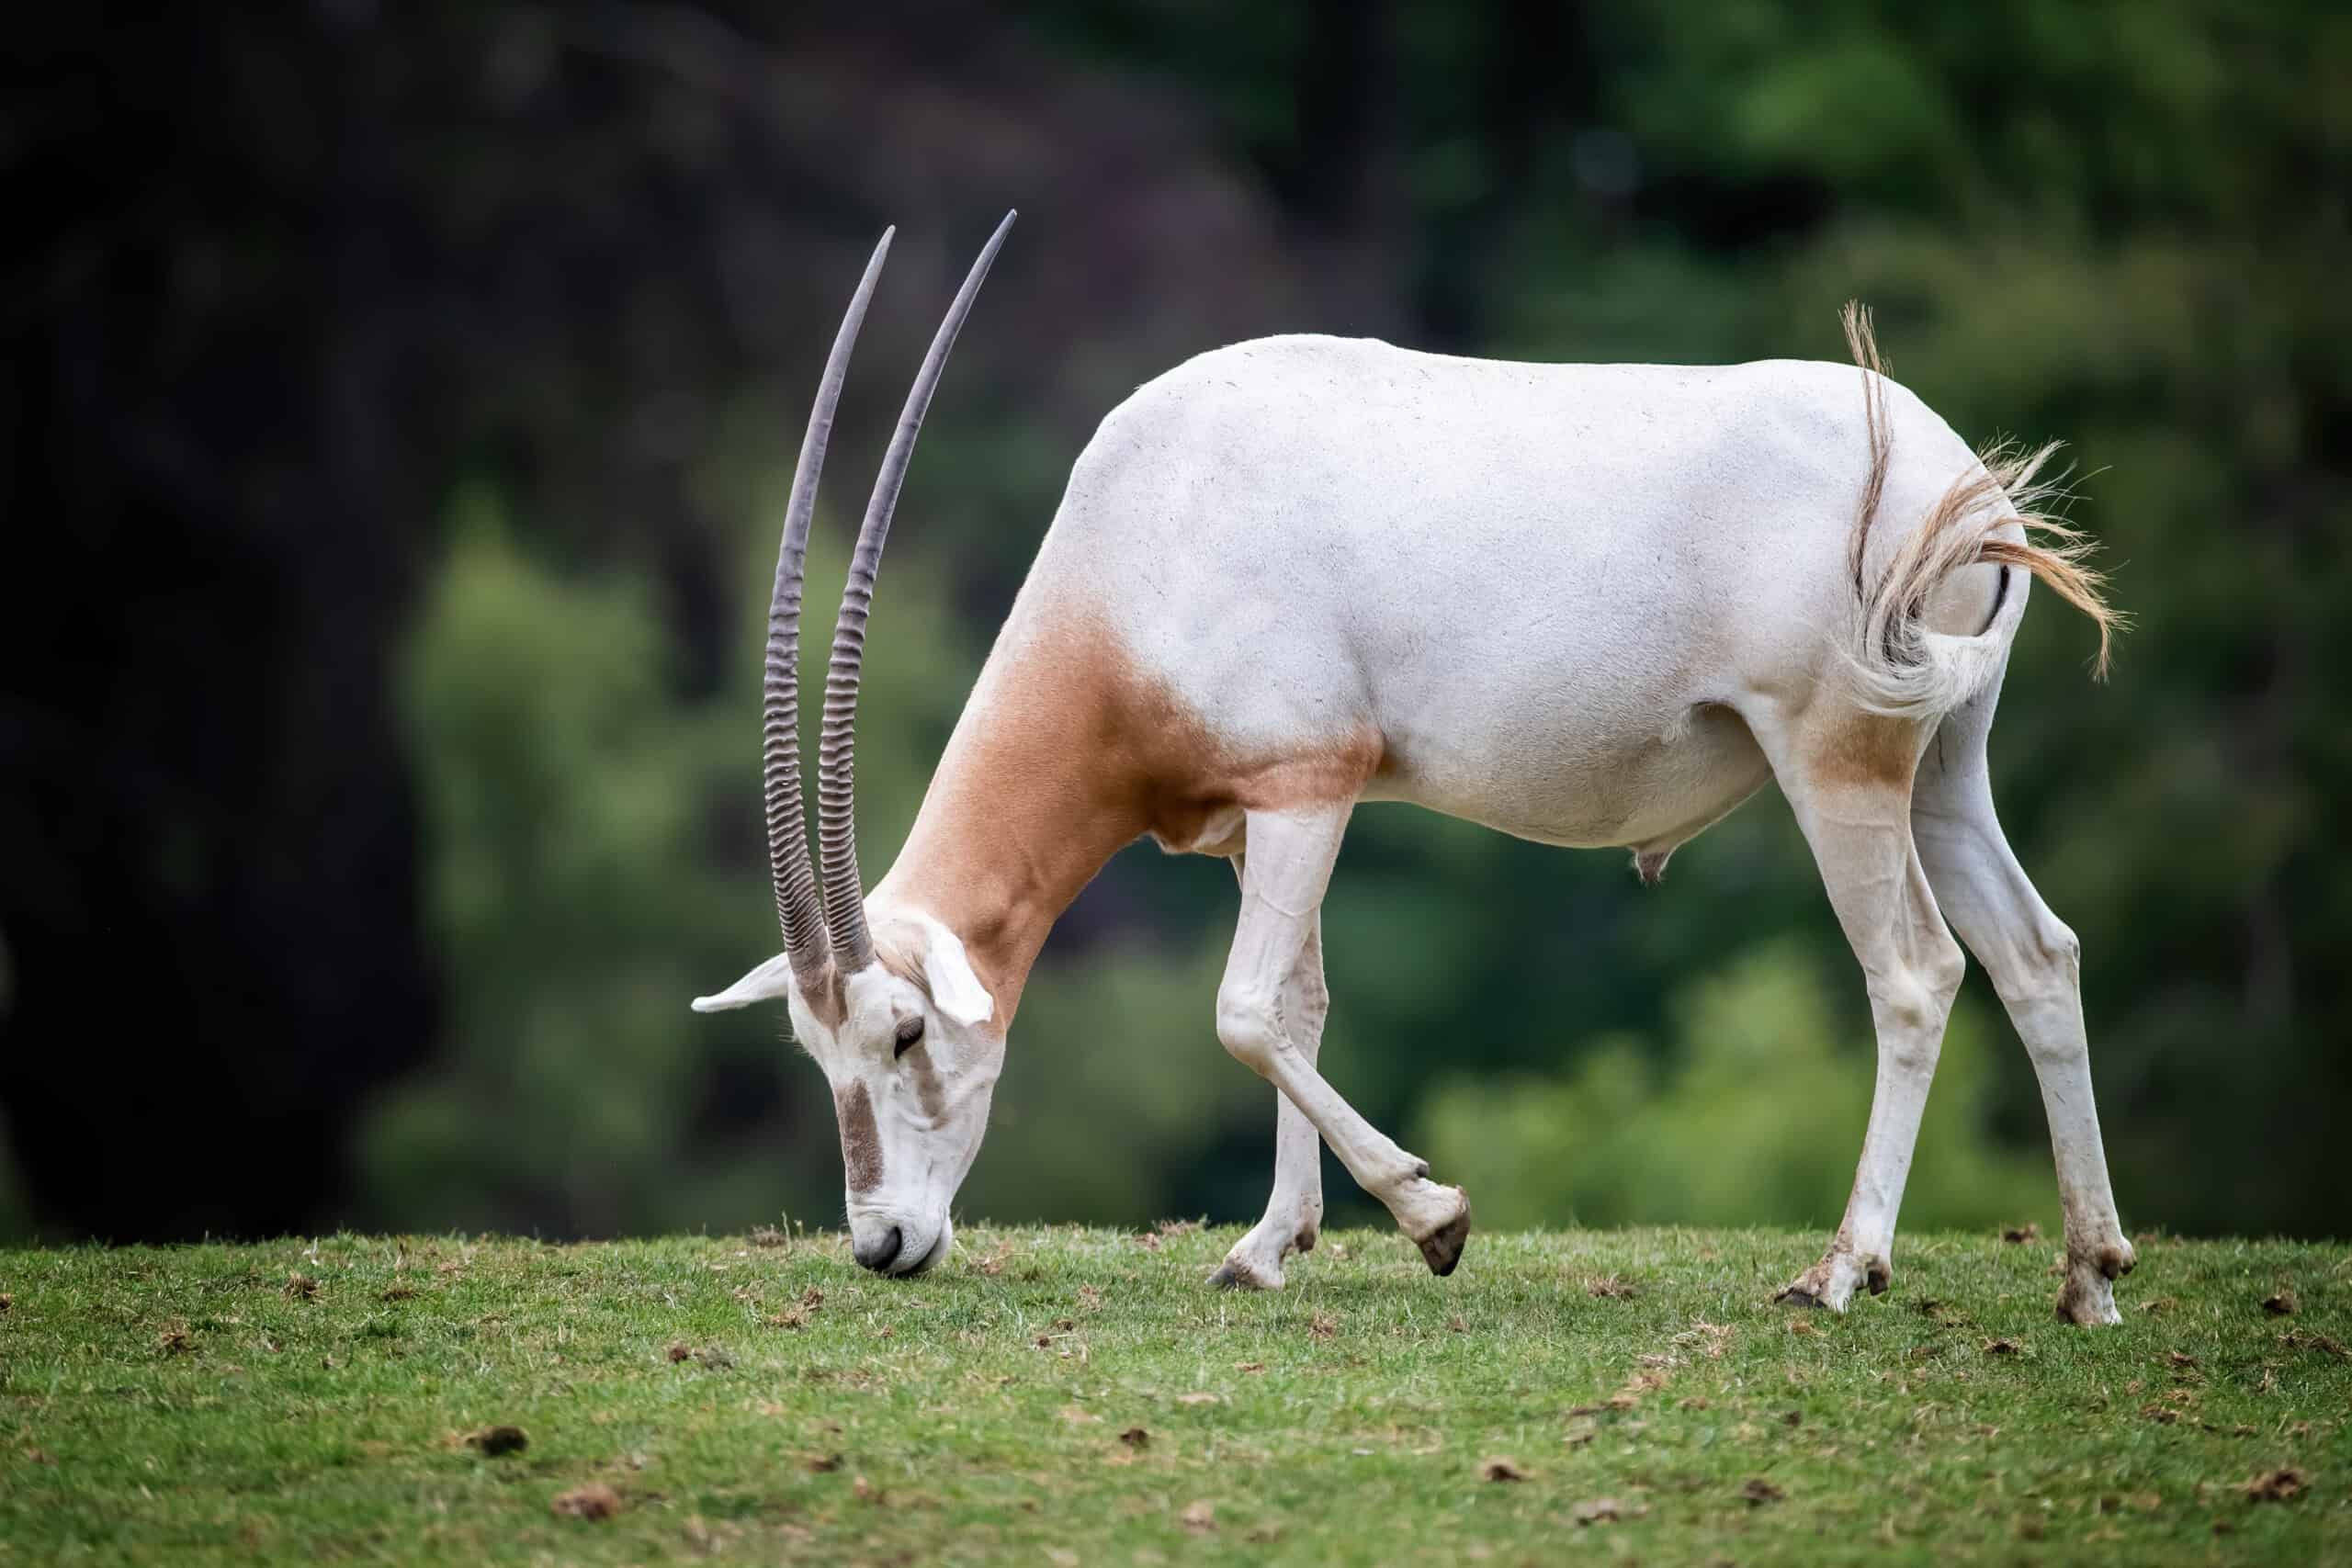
397,406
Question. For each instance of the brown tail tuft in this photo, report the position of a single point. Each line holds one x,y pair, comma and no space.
2054,549
1957,532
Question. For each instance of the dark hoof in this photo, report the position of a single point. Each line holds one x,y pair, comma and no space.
1799,1296
1878,1278
1229,1278
1442,1248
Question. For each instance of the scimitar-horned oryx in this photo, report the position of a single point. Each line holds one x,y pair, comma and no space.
1587,604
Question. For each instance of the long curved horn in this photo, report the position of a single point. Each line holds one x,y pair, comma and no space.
798,910
837,749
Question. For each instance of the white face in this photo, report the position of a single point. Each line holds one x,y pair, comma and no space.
912,1062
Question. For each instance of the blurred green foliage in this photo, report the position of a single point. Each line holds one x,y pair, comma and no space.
560,787
2124,225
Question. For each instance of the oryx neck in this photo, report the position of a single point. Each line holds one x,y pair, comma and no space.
1026,806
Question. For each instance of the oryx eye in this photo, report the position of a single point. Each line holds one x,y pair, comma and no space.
910,1034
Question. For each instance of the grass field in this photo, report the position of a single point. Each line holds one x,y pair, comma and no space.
1077,1397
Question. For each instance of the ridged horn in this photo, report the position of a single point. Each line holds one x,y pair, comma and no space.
837,748
798,909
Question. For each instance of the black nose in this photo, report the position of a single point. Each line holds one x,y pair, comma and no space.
880,1253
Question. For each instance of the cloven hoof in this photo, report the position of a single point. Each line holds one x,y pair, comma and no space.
1229,1278
1798,1296
1442,1248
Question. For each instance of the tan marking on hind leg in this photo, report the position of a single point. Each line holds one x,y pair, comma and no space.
1846,775
1863,750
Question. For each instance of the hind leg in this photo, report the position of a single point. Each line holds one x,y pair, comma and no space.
1294,1212
2034,961
1847,776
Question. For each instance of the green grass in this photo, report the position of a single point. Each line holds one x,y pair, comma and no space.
310,1400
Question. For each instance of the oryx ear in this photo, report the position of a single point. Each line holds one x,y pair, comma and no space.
955,989
769,981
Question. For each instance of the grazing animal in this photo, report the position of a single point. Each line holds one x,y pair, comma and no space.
1587,604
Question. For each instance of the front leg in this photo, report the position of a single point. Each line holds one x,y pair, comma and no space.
1294,1212
1287,869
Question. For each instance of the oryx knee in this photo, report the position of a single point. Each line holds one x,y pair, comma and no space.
1911,1000
2056,953
2043,967
1249,1023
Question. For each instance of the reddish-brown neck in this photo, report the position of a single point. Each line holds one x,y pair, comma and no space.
1033,793
1068,752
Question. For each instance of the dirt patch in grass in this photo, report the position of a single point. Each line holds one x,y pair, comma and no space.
2281,1485
2301,1339
593,1501
494,1441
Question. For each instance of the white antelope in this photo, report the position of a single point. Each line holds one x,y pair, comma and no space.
1587,604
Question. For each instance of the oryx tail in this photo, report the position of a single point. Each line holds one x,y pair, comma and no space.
1996,513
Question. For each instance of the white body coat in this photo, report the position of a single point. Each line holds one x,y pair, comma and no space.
1549,589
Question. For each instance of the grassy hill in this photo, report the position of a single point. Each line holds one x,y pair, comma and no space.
1060,1397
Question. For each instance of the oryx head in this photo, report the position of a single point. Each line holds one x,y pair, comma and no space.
885,999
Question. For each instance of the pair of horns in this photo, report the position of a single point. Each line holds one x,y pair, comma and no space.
822,903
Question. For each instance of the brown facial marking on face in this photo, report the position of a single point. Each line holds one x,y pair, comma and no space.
1069,752
860,1140
895,945
1866,749
895,948
928,1092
